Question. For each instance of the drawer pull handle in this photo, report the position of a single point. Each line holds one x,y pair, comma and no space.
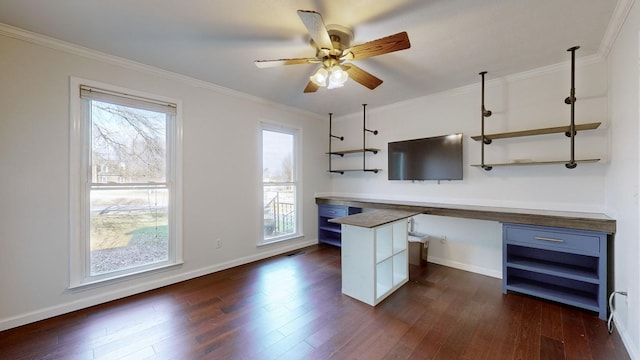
549,239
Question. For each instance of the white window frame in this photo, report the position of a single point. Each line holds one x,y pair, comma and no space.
297,180
80,181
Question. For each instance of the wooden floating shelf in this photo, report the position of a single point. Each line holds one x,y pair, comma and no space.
543,131
549,162
355,151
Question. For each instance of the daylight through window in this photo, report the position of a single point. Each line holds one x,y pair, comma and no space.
129,158
280,183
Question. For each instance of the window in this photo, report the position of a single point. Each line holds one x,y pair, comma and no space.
280,183
124,184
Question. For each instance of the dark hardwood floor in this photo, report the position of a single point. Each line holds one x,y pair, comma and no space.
291,307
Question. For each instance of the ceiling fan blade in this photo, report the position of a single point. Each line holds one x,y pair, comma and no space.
311,87
316,28
362,77
385,45
280,62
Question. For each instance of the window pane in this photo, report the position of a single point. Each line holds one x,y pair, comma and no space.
128,144
128,228
279,210
125,166
277,156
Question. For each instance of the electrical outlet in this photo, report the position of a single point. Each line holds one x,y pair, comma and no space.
218,243
443,239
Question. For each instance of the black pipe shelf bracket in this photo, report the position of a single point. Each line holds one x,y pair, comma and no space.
571,100
331,137
484,113
570,131
364,140
364,149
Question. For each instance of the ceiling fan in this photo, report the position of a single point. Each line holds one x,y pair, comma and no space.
333,49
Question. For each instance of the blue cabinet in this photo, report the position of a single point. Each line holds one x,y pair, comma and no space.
330,233
558,264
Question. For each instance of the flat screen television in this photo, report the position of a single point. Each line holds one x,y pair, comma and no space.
432,158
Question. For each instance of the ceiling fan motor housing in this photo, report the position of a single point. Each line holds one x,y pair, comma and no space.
341,38
342,34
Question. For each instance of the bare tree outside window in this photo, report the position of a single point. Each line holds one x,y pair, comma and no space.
128,199
128,143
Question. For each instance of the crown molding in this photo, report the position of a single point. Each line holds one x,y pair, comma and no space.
618,18
580,61
59,45
472,88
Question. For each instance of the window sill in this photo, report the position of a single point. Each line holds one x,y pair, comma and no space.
87,285
280,239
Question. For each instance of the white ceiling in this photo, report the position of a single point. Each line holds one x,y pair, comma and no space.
217,40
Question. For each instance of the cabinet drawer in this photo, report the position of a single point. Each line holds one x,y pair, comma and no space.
332,211
557,239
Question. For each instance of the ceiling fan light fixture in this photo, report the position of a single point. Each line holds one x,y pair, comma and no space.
320,77
337,77
332,44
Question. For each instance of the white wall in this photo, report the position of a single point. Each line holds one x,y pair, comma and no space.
622,177
526,101
222,196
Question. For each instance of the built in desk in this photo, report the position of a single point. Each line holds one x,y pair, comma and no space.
564,219
561,256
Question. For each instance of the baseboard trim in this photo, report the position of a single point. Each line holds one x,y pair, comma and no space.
49,312
629,344
466,267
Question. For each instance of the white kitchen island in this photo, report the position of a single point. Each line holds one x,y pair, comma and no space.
374,254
